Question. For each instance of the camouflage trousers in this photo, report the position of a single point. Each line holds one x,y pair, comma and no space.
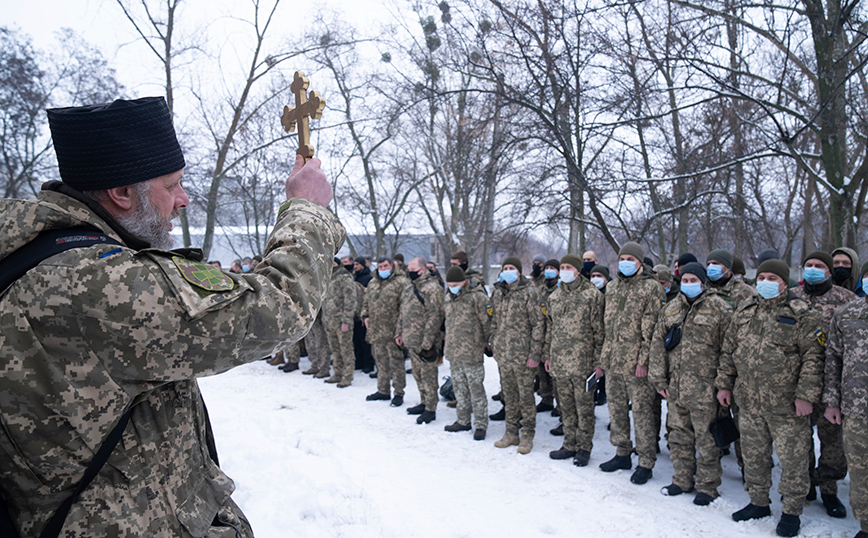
577,412
832,465
547,389
467,379
425,374
688,434
343,356
317,344
791,436
516,382
622,390
292,354
856,447
390,367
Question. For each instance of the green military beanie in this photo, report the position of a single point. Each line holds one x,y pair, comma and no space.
633,249
512,260
738,266
778,267
721,256
455,274
662,273
573,260
553,263
824,257
602,269
865,270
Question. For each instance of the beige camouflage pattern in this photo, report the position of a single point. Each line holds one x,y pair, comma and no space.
382,307
105,332
339,308
467,382
734,292
846,369
425,375
688,372
547,388
771,355
317,345
475,279
856,448
419,327
468,329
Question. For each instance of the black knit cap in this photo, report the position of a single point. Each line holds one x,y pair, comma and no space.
602,269
694,268
455,274
686,258
553,263
777,267
824,257
512,260
116,144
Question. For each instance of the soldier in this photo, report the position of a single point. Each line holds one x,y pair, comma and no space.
380,312
546,385
682,260
518,331
718,267
684,375
574,340
845,394
771,363
474,277
738,270
589,260
536,270
600,277
468,329
633,302
317,344
845,261
824,296
338,312
418,331
664,277
123,326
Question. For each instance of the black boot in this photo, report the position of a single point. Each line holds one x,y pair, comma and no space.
562,454
833,506
377,396
672,490
618,462
788,525
500,415
397,401
812,494
497,397
457,427
559,431
544,406
479,435
703,499
582,458
416,409
751,511
426,417
641,475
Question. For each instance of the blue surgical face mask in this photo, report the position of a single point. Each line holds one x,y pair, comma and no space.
551,273
768,289
714,271
245,268
815,275
865,284
691,290
509,276
627,268
384,274
567,277
454,289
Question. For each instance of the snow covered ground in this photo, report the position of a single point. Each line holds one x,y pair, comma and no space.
311,460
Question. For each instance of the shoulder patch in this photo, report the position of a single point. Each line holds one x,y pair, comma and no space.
203,276
489,309
662,302
820,336
542,306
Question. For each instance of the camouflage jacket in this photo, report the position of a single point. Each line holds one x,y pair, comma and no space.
688,371
772,354
518,325
826,302
468,325
574,328
382,306
340,300
734,292
632,308
111,326
846,374
475,279
419,325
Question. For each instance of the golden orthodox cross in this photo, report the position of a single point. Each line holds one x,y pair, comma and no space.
306,107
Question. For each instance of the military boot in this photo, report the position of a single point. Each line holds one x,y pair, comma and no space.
457,427
525,445
562,454
833,505
333,379
582,458
559,431
426,417
545,405
618,462
289,367
788,525
320,375
416,409
500,415
276,360
508,439
641,475
751,511
310,371
479,435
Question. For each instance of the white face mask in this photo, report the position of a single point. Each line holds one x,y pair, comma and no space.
567,276
599,282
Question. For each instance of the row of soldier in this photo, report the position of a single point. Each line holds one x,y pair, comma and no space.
760,351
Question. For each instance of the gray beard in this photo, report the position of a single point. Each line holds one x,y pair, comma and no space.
146,223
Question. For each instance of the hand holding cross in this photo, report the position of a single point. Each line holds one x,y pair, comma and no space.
305,108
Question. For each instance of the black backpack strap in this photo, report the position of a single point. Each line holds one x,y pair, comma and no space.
46,245
418,295
55,524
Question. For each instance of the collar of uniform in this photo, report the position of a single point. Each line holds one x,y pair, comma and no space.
721,283
128,239
775,302
818,289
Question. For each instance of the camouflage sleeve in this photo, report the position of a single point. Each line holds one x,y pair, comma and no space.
366,297
834,364
726,372
483,313
433,315
598,327
658,358
650,315
537,323
547,348
810,385
493,324
348,308
398,324
166,328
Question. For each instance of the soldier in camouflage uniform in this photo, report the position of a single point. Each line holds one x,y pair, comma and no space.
823,295
574,340
292,355
772,363
633,303
474,277
317,344
547,389
125,324
338,312
536,272
684,375
518,333
418,331
468,330
380,312
845,395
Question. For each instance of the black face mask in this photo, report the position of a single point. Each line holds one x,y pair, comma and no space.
840,275
413,275
463,266
535,272
587,266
